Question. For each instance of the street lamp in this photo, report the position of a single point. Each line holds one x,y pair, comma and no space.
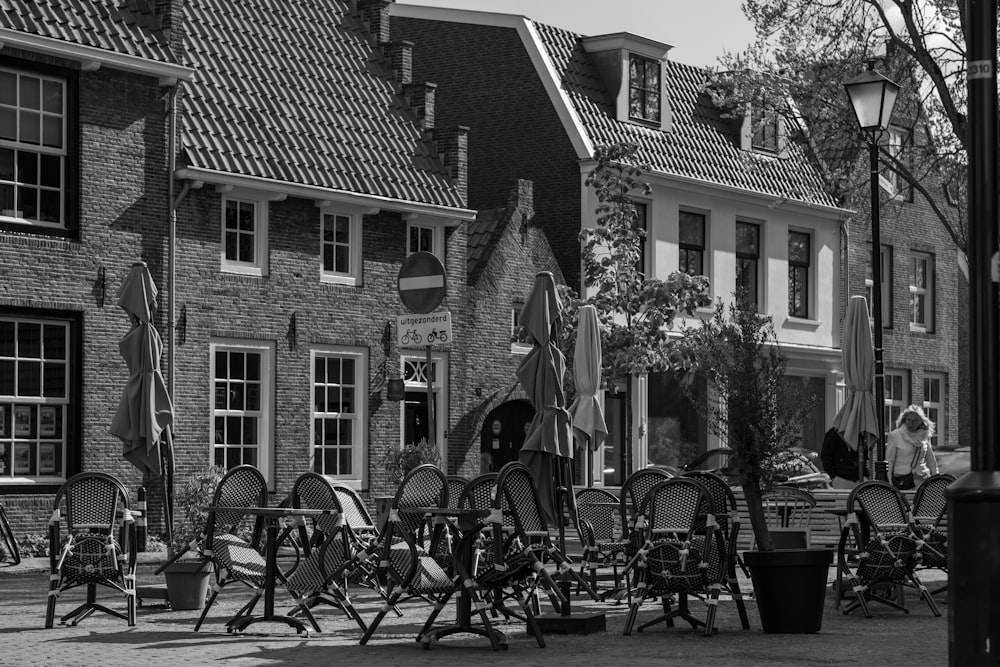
873,96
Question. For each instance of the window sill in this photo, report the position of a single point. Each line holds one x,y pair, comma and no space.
802,322
333,279
243,270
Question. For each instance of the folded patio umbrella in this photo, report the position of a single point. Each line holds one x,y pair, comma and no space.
145,413
588,416
548,444
858,414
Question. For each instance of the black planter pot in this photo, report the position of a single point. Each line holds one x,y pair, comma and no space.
790,587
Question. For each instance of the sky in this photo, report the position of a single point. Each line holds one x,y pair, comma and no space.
699,30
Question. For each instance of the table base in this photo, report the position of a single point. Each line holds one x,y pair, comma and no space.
497,638
242,623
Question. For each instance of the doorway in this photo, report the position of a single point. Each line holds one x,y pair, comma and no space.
503,434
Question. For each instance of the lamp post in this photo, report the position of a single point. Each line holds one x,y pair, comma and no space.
873,96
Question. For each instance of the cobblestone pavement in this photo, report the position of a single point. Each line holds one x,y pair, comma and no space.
165,637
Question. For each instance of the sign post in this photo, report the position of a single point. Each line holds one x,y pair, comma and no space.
422,286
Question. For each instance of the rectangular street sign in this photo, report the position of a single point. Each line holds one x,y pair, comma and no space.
418,330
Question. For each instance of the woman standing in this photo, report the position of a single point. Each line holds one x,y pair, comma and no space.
908,449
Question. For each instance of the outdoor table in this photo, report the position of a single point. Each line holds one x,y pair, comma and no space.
469,525
271,515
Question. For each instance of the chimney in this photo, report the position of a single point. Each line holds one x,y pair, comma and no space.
400,55
453,148
375,13
169,13
420,98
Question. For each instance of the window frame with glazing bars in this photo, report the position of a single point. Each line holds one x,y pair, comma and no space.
925,322
642,91
352,380
690,251
748,257
66,172
63,422
798,276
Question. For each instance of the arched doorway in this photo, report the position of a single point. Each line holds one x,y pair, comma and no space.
503,433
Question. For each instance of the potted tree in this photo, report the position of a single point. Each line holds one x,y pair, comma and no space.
758,414
397,461
186,578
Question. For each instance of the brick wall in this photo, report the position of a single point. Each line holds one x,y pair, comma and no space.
123,217
494,67
907,227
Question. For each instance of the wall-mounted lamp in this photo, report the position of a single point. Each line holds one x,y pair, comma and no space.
293,330
182,325
100,286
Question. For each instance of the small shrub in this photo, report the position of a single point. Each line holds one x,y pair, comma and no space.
33,545
197,491
399,461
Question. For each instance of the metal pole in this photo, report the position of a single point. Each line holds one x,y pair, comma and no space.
974,499
431,424
881,466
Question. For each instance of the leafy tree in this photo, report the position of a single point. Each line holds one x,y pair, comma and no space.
753,409
805,50
635,312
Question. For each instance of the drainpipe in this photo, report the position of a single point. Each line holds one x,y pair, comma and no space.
172,239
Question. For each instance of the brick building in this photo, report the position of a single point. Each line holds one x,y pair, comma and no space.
746,210
274,187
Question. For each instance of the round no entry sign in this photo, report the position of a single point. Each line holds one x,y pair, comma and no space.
421,282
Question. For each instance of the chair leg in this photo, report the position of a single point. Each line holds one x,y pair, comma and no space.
390,603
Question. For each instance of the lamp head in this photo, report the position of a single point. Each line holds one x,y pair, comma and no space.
872,96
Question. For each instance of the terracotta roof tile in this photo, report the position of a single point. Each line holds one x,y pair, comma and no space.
126,26
700,144
304,99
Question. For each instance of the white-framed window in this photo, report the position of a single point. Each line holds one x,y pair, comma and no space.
244,235
520,340
33,153
921,291
767,133
897,395
691,243
340,247
748,261
935,405
340,412
644,76
645,264
799,273
35,398
414,416
242,374
422,236
886,284
899,144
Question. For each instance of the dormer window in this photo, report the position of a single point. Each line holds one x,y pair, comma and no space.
766,135
644,86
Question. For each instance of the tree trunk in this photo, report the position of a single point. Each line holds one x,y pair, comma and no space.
751,492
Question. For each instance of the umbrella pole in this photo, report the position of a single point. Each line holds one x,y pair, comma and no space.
167,477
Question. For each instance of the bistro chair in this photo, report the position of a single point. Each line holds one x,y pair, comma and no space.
631,499
91,543
681,541
517,568
328,545
407,567
886,564
479,494
8,547
788,512
930,511
231,541
727,516
599,525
